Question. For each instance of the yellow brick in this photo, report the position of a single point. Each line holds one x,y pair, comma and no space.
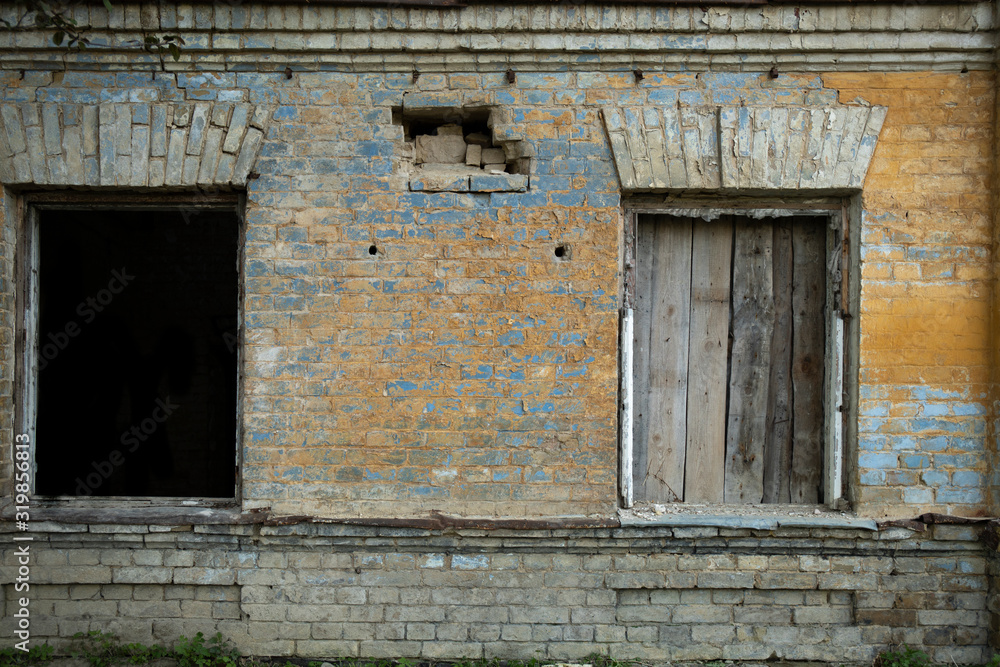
906,271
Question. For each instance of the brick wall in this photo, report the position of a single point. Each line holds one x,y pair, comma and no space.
653,593
464,366
925,293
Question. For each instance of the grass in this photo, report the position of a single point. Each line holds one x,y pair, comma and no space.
105,649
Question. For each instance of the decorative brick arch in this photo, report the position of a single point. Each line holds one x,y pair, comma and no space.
763,148
130,144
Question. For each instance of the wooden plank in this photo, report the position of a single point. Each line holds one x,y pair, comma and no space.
808,334
711,250
625,473
29,349
645,230
749,375
778,447
668,367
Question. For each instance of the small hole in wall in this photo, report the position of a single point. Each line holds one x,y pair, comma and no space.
563,252
372,250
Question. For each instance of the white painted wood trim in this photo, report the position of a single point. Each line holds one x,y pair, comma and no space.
625,474
835,414
833,453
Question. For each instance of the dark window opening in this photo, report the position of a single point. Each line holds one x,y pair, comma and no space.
137,355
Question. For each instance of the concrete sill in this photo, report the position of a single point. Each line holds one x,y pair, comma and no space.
464,183
42,518
756,521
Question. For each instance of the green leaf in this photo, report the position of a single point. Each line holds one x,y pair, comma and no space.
58,38
175,51
107,5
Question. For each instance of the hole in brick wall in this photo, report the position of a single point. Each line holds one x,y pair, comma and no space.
372,250
563,252
459,141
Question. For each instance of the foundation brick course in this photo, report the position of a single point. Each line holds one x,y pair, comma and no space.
476,596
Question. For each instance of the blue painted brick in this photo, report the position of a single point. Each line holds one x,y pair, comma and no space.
873,477
918,496
888,461
480,372
935,410
966,478
969,444
956,460
961,496
916,461
935,478
871,443
935,444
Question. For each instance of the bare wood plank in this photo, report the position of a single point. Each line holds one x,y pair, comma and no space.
645,230
28,344
711,250
668,353
778,447
808,334
749,375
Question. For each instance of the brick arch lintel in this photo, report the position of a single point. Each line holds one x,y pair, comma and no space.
130,144
759,148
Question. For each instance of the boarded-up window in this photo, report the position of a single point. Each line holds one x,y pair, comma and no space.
728,372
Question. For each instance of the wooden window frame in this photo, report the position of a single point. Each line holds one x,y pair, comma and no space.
27,208
840,386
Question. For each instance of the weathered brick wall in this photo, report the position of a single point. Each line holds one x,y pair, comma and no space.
925,293
654,593
464,366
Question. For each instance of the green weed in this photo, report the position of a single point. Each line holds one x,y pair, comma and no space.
36,655
104,649
905,656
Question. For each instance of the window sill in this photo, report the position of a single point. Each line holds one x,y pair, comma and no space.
174,515
755,518
450,182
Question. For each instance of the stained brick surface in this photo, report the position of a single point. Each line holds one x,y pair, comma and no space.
925,293
413,342
463,365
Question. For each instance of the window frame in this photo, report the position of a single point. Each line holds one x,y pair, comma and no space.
27,334
840,359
